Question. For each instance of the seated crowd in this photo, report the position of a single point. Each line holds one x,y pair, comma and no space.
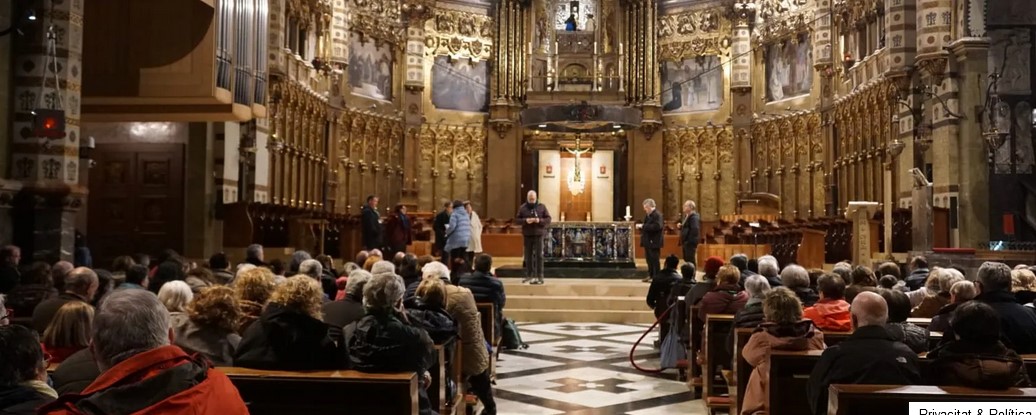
148,335
985,322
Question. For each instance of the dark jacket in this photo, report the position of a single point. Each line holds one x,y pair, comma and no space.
983,366
651,232
661,286
941,320
870,356
397,228
1017,322
45,311
698,291
486,289
75,373
382,343
807,296
1025,297
24,298
435,321
535,210
912,335
223,276
21,400
339,314
9,278
916,278
214,343
749,316
744,276
159,381
439,226
370,227
690,231
284,339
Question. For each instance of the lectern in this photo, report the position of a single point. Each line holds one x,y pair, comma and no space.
861,213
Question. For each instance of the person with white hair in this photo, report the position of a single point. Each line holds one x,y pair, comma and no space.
384,341
651,238
796,278
142,370
1018,321
311,268
534,218
756,286
341,313
869,356
770,269
176,295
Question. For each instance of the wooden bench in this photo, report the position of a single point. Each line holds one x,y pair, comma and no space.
790,372
742,370
832,338
487,315
717,327
437,393
895,399
694,380
325,392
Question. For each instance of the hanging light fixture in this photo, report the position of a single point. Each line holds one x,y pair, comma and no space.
998,120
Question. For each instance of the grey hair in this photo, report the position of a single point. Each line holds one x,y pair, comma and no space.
963,291
844,265
768,266
312,268
80,279
691,203
383,267
757,286
383,292
994,276
296,260
175,295
794,276
947,278
129,322
350,267
253,251
649,202
357,280
435,269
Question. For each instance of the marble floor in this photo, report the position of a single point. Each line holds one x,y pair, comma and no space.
584,369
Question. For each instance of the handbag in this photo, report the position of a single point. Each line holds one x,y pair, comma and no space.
672,351
512,339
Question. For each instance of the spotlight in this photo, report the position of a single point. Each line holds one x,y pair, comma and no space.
31,15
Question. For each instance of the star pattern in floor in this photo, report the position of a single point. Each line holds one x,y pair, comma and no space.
584,369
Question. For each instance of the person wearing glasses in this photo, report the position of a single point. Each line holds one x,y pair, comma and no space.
23,372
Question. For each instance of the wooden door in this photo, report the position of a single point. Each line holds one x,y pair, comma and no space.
136,200
576,207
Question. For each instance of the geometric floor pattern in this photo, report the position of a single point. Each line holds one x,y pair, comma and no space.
584,369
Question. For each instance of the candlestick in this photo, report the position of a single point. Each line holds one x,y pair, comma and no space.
628,211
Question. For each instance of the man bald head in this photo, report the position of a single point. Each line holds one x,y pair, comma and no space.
869,309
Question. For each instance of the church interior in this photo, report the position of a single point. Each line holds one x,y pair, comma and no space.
719,159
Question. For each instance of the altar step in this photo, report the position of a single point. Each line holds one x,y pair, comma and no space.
562,300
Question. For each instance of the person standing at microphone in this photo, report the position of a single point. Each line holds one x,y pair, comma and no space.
535,219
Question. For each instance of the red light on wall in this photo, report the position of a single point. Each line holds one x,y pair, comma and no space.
49,123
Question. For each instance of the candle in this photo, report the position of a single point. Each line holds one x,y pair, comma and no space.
628,211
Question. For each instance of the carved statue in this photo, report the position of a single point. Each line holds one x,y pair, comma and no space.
920,181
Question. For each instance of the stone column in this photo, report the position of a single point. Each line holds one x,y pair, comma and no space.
860,213
45,210
741,98
973,167
201,236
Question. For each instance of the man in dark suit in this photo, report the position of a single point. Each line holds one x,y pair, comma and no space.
651,238
371,221
439,227
690,232
10,256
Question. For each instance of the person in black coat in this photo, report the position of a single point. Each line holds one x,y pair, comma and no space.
289,334
341,313
75,373
10,256
918,273
23,373
690,232
371,224
741,262
658,293
651,237
1017,322
485,287
870,356
439,227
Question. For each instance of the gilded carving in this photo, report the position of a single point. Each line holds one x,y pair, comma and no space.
460,34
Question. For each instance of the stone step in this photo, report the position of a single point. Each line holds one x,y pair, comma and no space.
540,315
578,287
576,302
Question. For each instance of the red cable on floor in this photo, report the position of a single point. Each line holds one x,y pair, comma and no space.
634,348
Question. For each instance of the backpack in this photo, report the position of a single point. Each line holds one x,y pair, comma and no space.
512,339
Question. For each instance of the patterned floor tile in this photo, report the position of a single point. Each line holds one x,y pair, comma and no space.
508,407
509,363
586,350
591,387
581,329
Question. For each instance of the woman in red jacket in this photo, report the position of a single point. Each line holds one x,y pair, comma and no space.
69,332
